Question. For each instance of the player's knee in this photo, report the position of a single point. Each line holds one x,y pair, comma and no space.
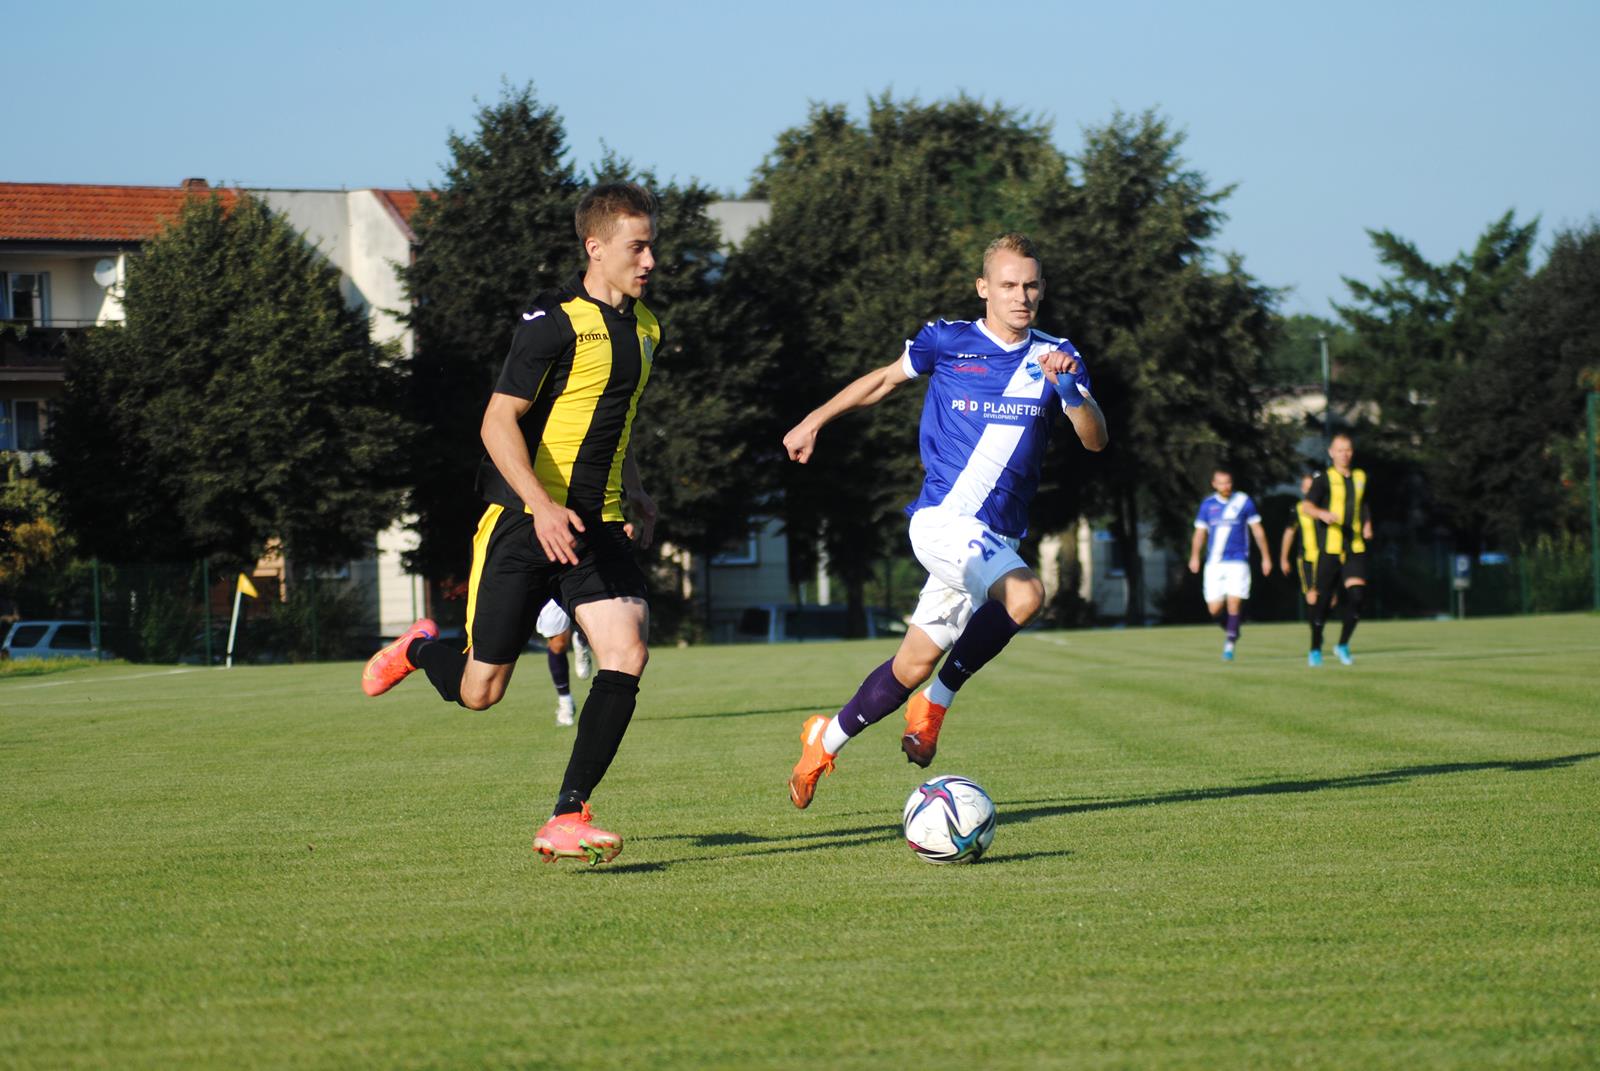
1024,600
480,696
558,644
631,659
476,700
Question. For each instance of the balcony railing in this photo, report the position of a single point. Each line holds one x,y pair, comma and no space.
27,345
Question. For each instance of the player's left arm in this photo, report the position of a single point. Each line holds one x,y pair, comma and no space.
643,530
1366,519
1069,376
1259,532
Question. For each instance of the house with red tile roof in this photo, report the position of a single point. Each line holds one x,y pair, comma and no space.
64,255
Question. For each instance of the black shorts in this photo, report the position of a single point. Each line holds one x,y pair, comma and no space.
1307,572
1336,571
512,579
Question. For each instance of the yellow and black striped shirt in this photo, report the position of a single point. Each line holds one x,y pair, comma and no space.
1346,498
584,365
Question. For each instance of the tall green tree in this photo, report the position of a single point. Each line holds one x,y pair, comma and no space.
1423,335
1529,397
498,231
240,401
1176,344
495,233
704,430
876,228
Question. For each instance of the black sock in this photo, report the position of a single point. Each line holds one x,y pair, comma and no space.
1354,596
443,664
1318,615
606,713
558,672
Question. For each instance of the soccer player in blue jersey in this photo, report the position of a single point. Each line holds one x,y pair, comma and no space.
992,384
1222,521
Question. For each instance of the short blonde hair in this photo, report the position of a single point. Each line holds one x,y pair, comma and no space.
1013,242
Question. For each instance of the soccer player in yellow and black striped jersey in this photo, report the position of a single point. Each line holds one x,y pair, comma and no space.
558,469
1298,534
1337,550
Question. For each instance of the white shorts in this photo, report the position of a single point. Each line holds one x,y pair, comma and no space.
553,620
1225,580
963,558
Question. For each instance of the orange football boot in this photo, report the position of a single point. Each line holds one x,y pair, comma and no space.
390,666
923,721
814,761
573,836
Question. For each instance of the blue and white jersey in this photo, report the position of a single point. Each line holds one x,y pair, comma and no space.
1226,520
985,420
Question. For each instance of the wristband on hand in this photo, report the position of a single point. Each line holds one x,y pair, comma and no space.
1072,389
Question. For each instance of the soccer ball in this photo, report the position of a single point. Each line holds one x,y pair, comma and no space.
949,820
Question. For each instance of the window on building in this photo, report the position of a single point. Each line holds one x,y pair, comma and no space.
7,439
29,422
1116,558
25,297
746,553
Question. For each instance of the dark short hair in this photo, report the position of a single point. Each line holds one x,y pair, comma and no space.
601,208
1221,470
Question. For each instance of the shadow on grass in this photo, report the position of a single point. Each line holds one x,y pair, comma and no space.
1052,809
1019,811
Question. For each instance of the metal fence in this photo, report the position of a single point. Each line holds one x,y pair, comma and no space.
183,613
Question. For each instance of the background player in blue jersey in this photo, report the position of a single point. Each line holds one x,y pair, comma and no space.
991,386
1222,521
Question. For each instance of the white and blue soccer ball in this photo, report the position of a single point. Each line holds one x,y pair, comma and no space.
949,819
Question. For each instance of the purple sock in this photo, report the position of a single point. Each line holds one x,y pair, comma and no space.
558,672
879,696
985,636
1232,627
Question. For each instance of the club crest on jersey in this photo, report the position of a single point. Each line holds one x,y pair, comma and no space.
647,346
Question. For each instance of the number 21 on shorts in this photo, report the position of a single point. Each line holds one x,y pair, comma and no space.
982,545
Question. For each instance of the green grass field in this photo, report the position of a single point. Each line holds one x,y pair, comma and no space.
1198,865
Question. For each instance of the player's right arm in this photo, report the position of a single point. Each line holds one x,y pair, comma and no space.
1316,500
866,391
534,350
1196,545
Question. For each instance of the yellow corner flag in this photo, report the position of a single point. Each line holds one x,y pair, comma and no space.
247,588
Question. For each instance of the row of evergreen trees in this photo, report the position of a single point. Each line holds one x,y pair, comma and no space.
242,401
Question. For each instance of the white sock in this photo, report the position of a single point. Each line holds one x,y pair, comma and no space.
834,737
939,695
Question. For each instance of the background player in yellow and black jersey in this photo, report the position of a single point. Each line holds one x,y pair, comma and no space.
1298,534
558,467
1342,527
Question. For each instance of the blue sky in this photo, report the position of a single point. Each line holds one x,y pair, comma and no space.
1429,119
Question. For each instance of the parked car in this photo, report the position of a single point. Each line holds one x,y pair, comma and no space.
785,623
51,639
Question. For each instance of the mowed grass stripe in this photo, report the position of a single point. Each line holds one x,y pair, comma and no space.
1198,865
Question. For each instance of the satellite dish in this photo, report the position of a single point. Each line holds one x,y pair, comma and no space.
105,272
